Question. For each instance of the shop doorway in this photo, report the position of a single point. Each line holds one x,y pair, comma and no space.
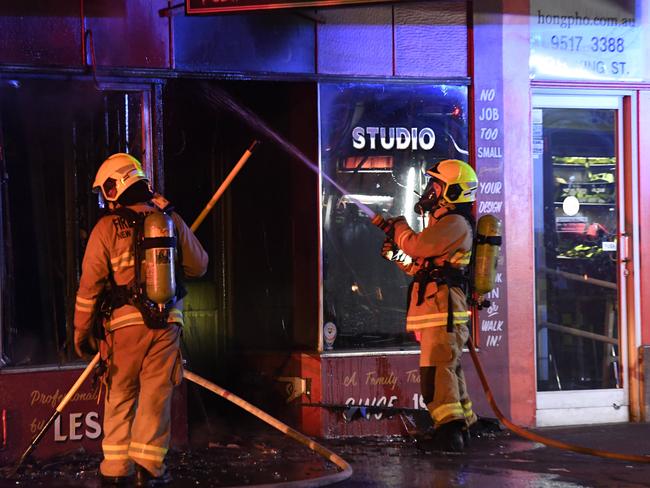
583,255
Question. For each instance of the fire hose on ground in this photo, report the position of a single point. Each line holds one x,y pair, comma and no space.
346,469
532,436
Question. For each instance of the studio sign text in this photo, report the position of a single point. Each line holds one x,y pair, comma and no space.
393,138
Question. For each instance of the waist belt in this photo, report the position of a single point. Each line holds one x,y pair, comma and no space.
153,316
443,275
122,295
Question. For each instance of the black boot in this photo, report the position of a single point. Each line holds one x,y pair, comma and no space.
145,478
449,437
466,436
115,481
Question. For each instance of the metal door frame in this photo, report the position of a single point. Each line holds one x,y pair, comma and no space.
574,407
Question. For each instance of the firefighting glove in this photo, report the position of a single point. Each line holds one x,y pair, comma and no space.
85,345
391,252
389,249
387,225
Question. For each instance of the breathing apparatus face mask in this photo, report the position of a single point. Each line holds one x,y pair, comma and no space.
430,197
101,201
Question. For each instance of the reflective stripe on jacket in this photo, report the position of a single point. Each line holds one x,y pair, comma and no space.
446,239
110,251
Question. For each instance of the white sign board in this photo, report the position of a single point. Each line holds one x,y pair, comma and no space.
586,40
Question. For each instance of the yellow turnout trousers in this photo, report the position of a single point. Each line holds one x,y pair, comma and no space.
144,365
442,350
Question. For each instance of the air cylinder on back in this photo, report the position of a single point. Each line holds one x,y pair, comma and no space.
160,254
488,244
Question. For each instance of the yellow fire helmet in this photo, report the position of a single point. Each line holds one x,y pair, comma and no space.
116,174
458,180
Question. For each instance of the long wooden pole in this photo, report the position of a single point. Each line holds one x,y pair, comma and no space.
240,164
62,404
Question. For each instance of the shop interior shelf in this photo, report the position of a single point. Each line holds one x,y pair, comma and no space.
577,259
584,273
584,166
590,204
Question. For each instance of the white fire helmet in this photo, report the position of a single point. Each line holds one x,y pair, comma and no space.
116,174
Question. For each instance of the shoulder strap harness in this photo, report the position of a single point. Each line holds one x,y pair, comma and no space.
451,276
134,293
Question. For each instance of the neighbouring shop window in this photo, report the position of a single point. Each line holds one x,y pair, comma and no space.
376,142
53,137
576,228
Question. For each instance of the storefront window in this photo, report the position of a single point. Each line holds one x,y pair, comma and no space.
376,142
53,137
576,228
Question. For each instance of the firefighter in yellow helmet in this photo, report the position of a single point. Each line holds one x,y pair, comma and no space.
141,353
438,310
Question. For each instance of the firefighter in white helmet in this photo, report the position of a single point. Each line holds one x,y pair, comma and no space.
438,310
142,355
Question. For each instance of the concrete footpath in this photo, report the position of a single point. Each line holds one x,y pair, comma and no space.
253,454
505,460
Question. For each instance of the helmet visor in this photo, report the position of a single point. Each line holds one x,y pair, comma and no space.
109,189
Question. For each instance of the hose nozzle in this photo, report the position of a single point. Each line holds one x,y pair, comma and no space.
381,222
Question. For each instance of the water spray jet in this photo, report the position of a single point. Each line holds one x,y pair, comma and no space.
219,98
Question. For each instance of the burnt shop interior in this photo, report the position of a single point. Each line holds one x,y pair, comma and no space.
53,135
272,234
259,291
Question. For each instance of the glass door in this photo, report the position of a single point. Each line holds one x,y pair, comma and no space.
579,209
